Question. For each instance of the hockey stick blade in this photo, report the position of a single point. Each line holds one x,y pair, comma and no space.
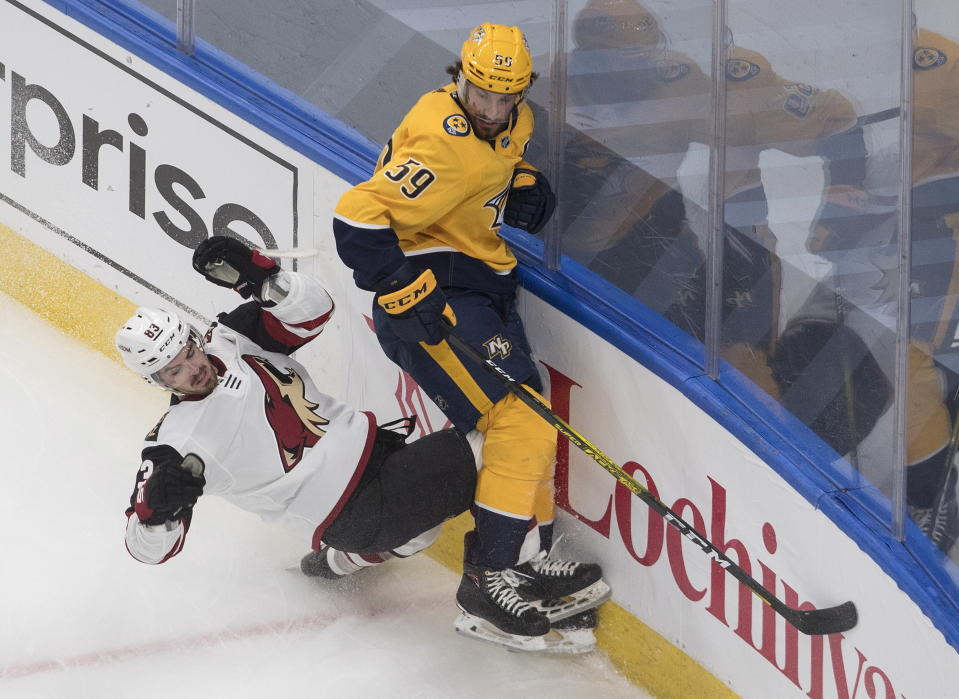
814,622
822,622
291,253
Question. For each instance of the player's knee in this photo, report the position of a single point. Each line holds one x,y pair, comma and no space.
451,452
519,443
851,388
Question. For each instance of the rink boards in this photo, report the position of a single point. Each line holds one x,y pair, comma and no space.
113,170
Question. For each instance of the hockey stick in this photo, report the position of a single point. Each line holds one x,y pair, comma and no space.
876,117
292,253
809,621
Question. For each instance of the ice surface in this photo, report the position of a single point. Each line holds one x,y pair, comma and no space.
231,615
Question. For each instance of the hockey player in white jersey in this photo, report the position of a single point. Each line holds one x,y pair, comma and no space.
247,423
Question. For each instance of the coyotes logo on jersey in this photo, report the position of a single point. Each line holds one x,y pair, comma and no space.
291,416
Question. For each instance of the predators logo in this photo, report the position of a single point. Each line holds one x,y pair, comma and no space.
669,71
290,415
927,58
456,125
498,346
497,204
739,70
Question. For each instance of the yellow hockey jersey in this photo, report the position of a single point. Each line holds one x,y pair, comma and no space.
436,187
935,125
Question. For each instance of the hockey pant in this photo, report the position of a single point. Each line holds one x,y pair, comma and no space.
928,428
515,489
514,492
934,317
405,493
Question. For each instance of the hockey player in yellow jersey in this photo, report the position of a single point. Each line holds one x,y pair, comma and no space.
423,234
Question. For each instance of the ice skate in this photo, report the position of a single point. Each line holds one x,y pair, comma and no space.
332,564
316,564
577,622
492,611
941,521
561,589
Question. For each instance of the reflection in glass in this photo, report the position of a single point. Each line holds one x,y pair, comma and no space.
635,106
934,285
803,236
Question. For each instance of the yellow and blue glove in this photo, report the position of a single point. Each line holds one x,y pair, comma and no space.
416,306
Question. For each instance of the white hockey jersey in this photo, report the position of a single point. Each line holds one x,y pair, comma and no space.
270,441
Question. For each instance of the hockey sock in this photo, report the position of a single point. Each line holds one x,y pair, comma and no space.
923,479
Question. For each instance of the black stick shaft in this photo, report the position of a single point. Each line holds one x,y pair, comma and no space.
814,621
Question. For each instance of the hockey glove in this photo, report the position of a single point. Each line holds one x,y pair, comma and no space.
417,306
169,485
226,261
530,202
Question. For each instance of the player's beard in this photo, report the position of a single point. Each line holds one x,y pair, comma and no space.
204,383
486,130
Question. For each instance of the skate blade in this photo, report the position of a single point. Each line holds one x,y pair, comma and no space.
553,642
582,620
558,609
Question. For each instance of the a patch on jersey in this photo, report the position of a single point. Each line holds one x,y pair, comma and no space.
456,125
670,71
290,415
799,97
504,141
498,346
738,69
927,58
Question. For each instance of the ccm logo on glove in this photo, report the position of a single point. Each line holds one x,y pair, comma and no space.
418,311
399,301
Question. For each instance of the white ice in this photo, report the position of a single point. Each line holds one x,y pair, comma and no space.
231,616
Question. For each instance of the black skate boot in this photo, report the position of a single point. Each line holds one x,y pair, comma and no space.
492,611
331,564
315,564
490,596
561,589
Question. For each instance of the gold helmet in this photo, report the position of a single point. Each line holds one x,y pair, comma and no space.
496,58
616,24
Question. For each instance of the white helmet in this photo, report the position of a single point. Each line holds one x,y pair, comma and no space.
151,339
